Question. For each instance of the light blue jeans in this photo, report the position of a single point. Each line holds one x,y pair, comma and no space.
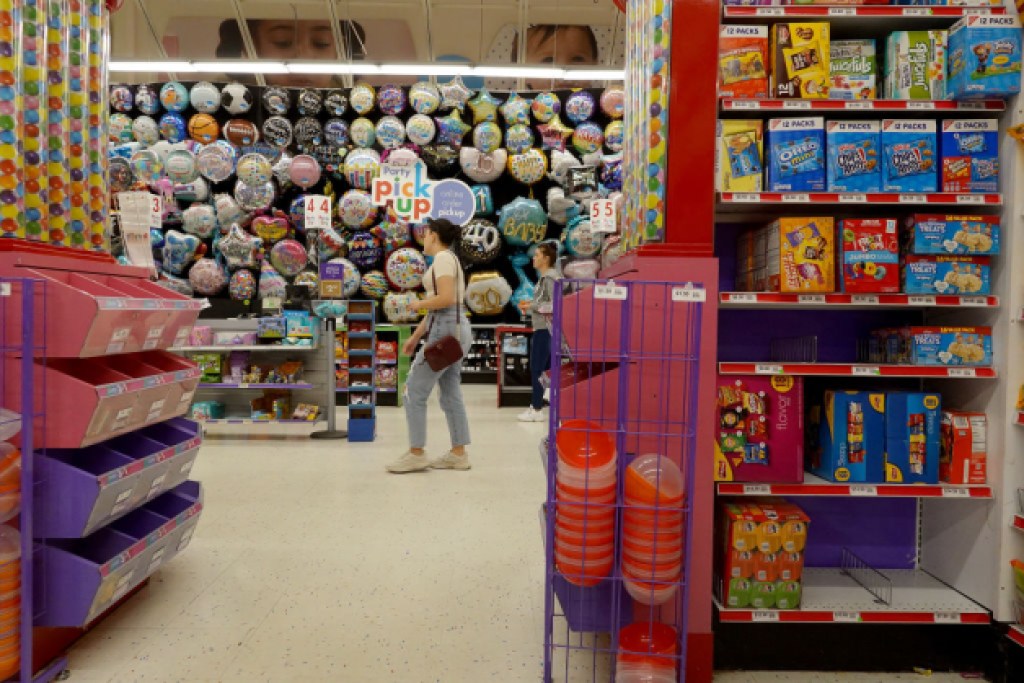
422,379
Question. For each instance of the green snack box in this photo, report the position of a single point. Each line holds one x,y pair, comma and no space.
853,70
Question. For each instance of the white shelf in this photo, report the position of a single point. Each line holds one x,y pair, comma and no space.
816,486
829,596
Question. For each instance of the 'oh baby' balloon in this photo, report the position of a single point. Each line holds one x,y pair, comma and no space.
523,222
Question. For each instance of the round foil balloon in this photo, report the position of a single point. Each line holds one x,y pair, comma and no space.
203,128
147,100
393,232
356,209
271,229
523,222
420,129
545,106
362,98
254,197
336,103
207,277
254,169
350,278
288,257
487,137
241,132
297,213
480,167
425,98
242,285
175,284
145,130
215,163
277,101
179,251
615,136
308,133
336,132
519,138
272,285
391,100
361,167
363,133
181,166
580,106
401,307
374,285
480,243
121,98
310,102
405,268
205,98
528,167
277,131
304,172
199,220
419,233
613,102
174,97
442,160
120,174
121,128
585,269
588,138
236,99
238,248
487,293
581,240
390,132
228,210
309,279
146,166
516,110
364,250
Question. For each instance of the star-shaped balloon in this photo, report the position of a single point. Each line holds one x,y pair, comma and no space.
555,133
451,129
484,106
239,248
516,109
454,94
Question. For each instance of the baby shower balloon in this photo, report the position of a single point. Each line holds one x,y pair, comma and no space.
523,222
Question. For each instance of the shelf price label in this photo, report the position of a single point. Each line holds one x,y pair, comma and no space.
741,298
846,617
970,106
766,616
956,492
946,617
317,209
767,369
973,301
770,12
842,12
757,489
689,293
970,199
922,105
858,104
962,372
796,104
811,298
921,300
744,104
746,197
852,198
913,199
611,291
866,371
863,490
796,198
864,299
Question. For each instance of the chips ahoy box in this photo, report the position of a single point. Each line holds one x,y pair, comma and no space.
970,155
912,437
910,152
796,155
944,234
946,274
984,57
850,443
743,61
871,255
950,346
854,156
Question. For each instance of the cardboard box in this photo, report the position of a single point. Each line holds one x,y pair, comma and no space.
796,155
850,443
970,155
738,166
915,65
760,429
853,70
743,61
912,437
951,346
800,255
948,234
946,274
854,156
800,57
870,258
911,159
985,57
964,458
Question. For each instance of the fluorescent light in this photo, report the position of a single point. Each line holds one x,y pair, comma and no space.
594,75
331,68
147,67
241,67
425,69
518,72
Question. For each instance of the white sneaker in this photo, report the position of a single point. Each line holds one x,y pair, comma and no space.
450,461
409,463
532,415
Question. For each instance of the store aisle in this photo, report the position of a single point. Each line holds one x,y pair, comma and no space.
312,564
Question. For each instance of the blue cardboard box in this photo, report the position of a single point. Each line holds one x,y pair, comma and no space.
912,437
945,234
950,346
984,57
854,156
946,274
796,155
851,437
970,155
911,159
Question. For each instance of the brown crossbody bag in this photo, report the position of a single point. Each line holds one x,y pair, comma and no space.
448,349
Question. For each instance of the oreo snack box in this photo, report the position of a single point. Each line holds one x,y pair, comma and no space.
795,149
910,153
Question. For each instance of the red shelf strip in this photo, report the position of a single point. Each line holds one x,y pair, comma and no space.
740,104
736,12
855,490
852,370
1016,634
880,198
824,617
776,298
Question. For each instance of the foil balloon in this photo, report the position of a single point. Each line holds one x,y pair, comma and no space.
401,307
174,97
361,167
199,220
282,170
336,103
350,279
523,222
254,169
487,293
393,232
242,285
525,289
403,156
484,107
310,102
580,106
196,191
482,167
405,268
288,257
172,127
205,97
391,100
555,133
241,132
278,132
529,167
361,98
203,128
480,243
363,133
175,284
442,160
612,251
487,137
580,239
615,136
421,129
207,277
215,163
582,182
308,279
179,251
585,269
308,133
611,172
304,171
561,162
519,138
484,200
147,166
545,106
613,102
120,128
374,285
120,174
390,132
238,248
147,100
356,209
271,229
272,285
560,208
419,233
121,98
145,130
254,197
236,99
455,94
588,138
364,250
228,210
424,98
297,213
516,110
277,101
330,243
451,129
336,132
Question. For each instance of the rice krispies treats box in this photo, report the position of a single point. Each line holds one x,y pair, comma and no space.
946,274
970,155
910,151
951,346
949,234
854,156
795,150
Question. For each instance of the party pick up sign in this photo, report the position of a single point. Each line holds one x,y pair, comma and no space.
416,198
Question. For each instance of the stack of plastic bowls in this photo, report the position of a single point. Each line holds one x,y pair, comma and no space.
10,601
648,652
585,492
652,529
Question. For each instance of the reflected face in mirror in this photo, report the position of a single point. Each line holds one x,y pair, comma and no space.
554,45
303,40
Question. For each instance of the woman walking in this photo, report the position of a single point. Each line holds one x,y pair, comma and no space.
544,259
445,285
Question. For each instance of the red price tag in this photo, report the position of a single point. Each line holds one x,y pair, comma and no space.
317,212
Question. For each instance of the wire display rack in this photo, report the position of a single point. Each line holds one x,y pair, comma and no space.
620,463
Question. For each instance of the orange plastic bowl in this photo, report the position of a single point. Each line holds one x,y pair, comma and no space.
640,640
591,526
583,512
583,444
590,538
654,479
591,489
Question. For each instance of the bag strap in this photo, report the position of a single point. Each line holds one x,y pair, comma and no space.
458,299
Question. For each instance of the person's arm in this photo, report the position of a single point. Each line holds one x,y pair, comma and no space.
414,339
544,295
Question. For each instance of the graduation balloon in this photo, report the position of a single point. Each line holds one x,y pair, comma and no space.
523,222
528,167
481,167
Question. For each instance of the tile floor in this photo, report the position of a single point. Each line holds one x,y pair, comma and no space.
310,563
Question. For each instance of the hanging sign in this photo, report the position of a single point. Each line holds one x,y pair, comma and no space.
415,197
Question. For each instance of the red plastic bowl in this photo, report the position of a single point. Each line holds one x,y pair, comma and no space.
640,640
583,444
652,478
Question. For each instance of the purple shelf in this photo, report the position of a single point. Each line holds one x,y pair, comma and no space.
253,386
101,483
82,578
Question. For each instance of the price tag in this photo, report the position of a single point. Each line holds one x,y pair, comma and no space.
744,104
798,198
757,489
973,301
741,298
746,197
603,216
970,199
863,490
811,298
975,11
956,492
689,293
859,104
317,212
770,12
913,199
852,198
946,617
762,369
5,288
846,617
766,616
962,372
122,586
122,418
158,558
864,299
921,105
921,300
970,106
842,12
155,410
611,291
796,104
866,371
244,385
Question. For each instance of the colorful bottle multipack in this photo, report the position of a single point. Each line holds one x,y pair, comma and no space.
870,259
796,155
970,155
853,69
912,437
738,166
964,455
915,65
800,57
848,444
949,234
743,61
800,255
854,156
923,274
910,152
984,57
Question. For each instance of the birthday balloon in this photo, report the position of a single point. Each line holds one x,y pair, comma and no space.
365,250
310,102
611,172
487,293
555,133
484,106
516,110
615,136
519,138
588,138
419,232
374,285
545,106
228,210
487,137
442,160
424,97
580,239
362,98
361,167
336,103
238,248
271,229
481,167
254,197
528,167
254,169
146,166
484,200
455,94
121,98
613,102
336,132
523,222
196,191
309,279
393,232
580,106
391,100
145,130
288,257
612,251
207,277
480,243
304,172
272,285
179,251
277,131
363,133
147,100
242,285
390,132
356,209
401,307
277,101
420,129
174,97
181,166
308,133
350,277
215,163
405,268
175,284
451,129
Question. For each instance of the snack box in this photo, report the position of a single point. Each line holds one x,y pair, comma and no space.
870,258
200,335
951,346
211,365
796,155
850,443
946,274
738,166
800,56
800,255
760,429
274,327
207,410
915,65
984,57
854,156
910,153
743,61
300,324
964,457
853,70
912,437
970,155
947,234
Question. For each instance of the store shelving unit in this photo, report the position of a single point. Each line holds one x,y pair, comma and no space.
481,363
789,200
855,370
781,300
830,107
865,17
398,334
362,371
815,486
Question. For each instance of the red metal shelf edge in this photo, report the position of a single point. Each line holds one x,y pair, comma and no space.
849,299
797,616
848,370
907,198
930,11
843,490
1016,634
743,104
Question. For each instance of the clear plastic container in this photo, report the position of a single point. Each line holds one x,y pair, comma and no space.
10,425
652,478
602,473
648,593
640,640
654,573
591,488
644,673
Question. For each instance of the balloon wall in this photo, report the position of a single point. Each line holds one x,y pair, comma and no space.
234,162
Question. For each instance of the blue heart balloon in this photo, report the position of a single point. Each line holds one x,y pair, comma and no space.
179,251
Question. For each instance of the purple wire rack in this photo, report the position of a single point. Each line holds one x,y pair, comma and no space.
625,372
